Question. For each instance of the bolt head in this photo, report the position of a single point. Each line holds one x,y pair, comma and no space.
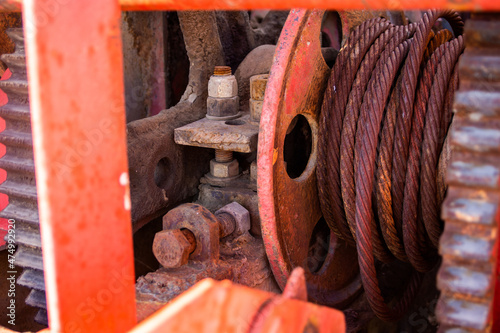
171,248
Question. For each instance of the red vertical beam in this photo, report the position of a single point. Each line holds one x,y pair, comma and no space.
74,54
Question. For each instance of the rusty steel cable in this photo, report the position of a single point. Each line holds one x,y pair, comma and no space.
383,123
346,67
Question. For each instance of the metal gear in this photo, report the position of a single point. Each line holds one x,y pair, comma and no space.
469,244
20,185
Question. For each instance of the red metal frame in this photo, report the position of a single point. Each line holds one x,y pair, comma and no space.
78,120
80,147
473,5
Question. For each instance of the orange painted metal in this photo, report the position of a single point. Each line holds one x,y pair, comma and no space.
225,307
310,4
476,5
78,121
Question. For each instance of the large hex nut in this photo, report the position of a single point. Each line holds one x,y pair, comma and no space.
258,85
222,86
224,169
171,248
240,215
202,223
224,108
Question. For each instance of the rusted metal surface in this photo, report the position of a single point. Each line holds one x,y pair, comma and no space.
468,277
144,35
289,207
239,135
169,173
172,248
76,174
214,193
235,308
240,258
20,184
7,21
202,223
378,70
192,230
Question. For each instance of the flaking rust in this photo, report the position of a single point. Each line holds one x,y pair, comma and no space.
242,260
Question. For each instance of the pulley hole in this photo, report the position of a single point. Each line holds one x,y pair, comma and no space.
331,37
163,174
318,246
298,146
236,122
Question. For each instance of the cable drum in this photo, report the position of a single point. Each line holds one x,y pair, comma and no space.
384,118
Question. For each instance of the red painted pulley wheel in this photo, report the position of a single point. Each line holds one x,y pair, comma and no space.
295,234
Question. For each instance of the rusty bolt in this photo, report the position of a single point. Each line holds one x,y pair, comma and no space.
224,169
222,84
239,214
222,70
223,155
223,101
172,247
227,224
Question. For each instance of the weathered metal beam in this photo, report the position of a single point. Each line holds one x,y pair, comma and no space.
78,119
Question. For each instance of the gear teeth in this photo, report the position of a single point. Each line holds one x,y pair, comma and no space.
468,245
36,299
20,185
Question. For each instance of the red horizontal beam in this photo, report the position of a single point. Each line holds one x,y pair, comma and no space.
128,5
308,4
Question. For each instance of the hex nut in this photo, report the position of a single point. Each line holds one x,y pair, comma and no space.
258,85
202,223
255,110
240,215
171,248
222,86
224,169
224,108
